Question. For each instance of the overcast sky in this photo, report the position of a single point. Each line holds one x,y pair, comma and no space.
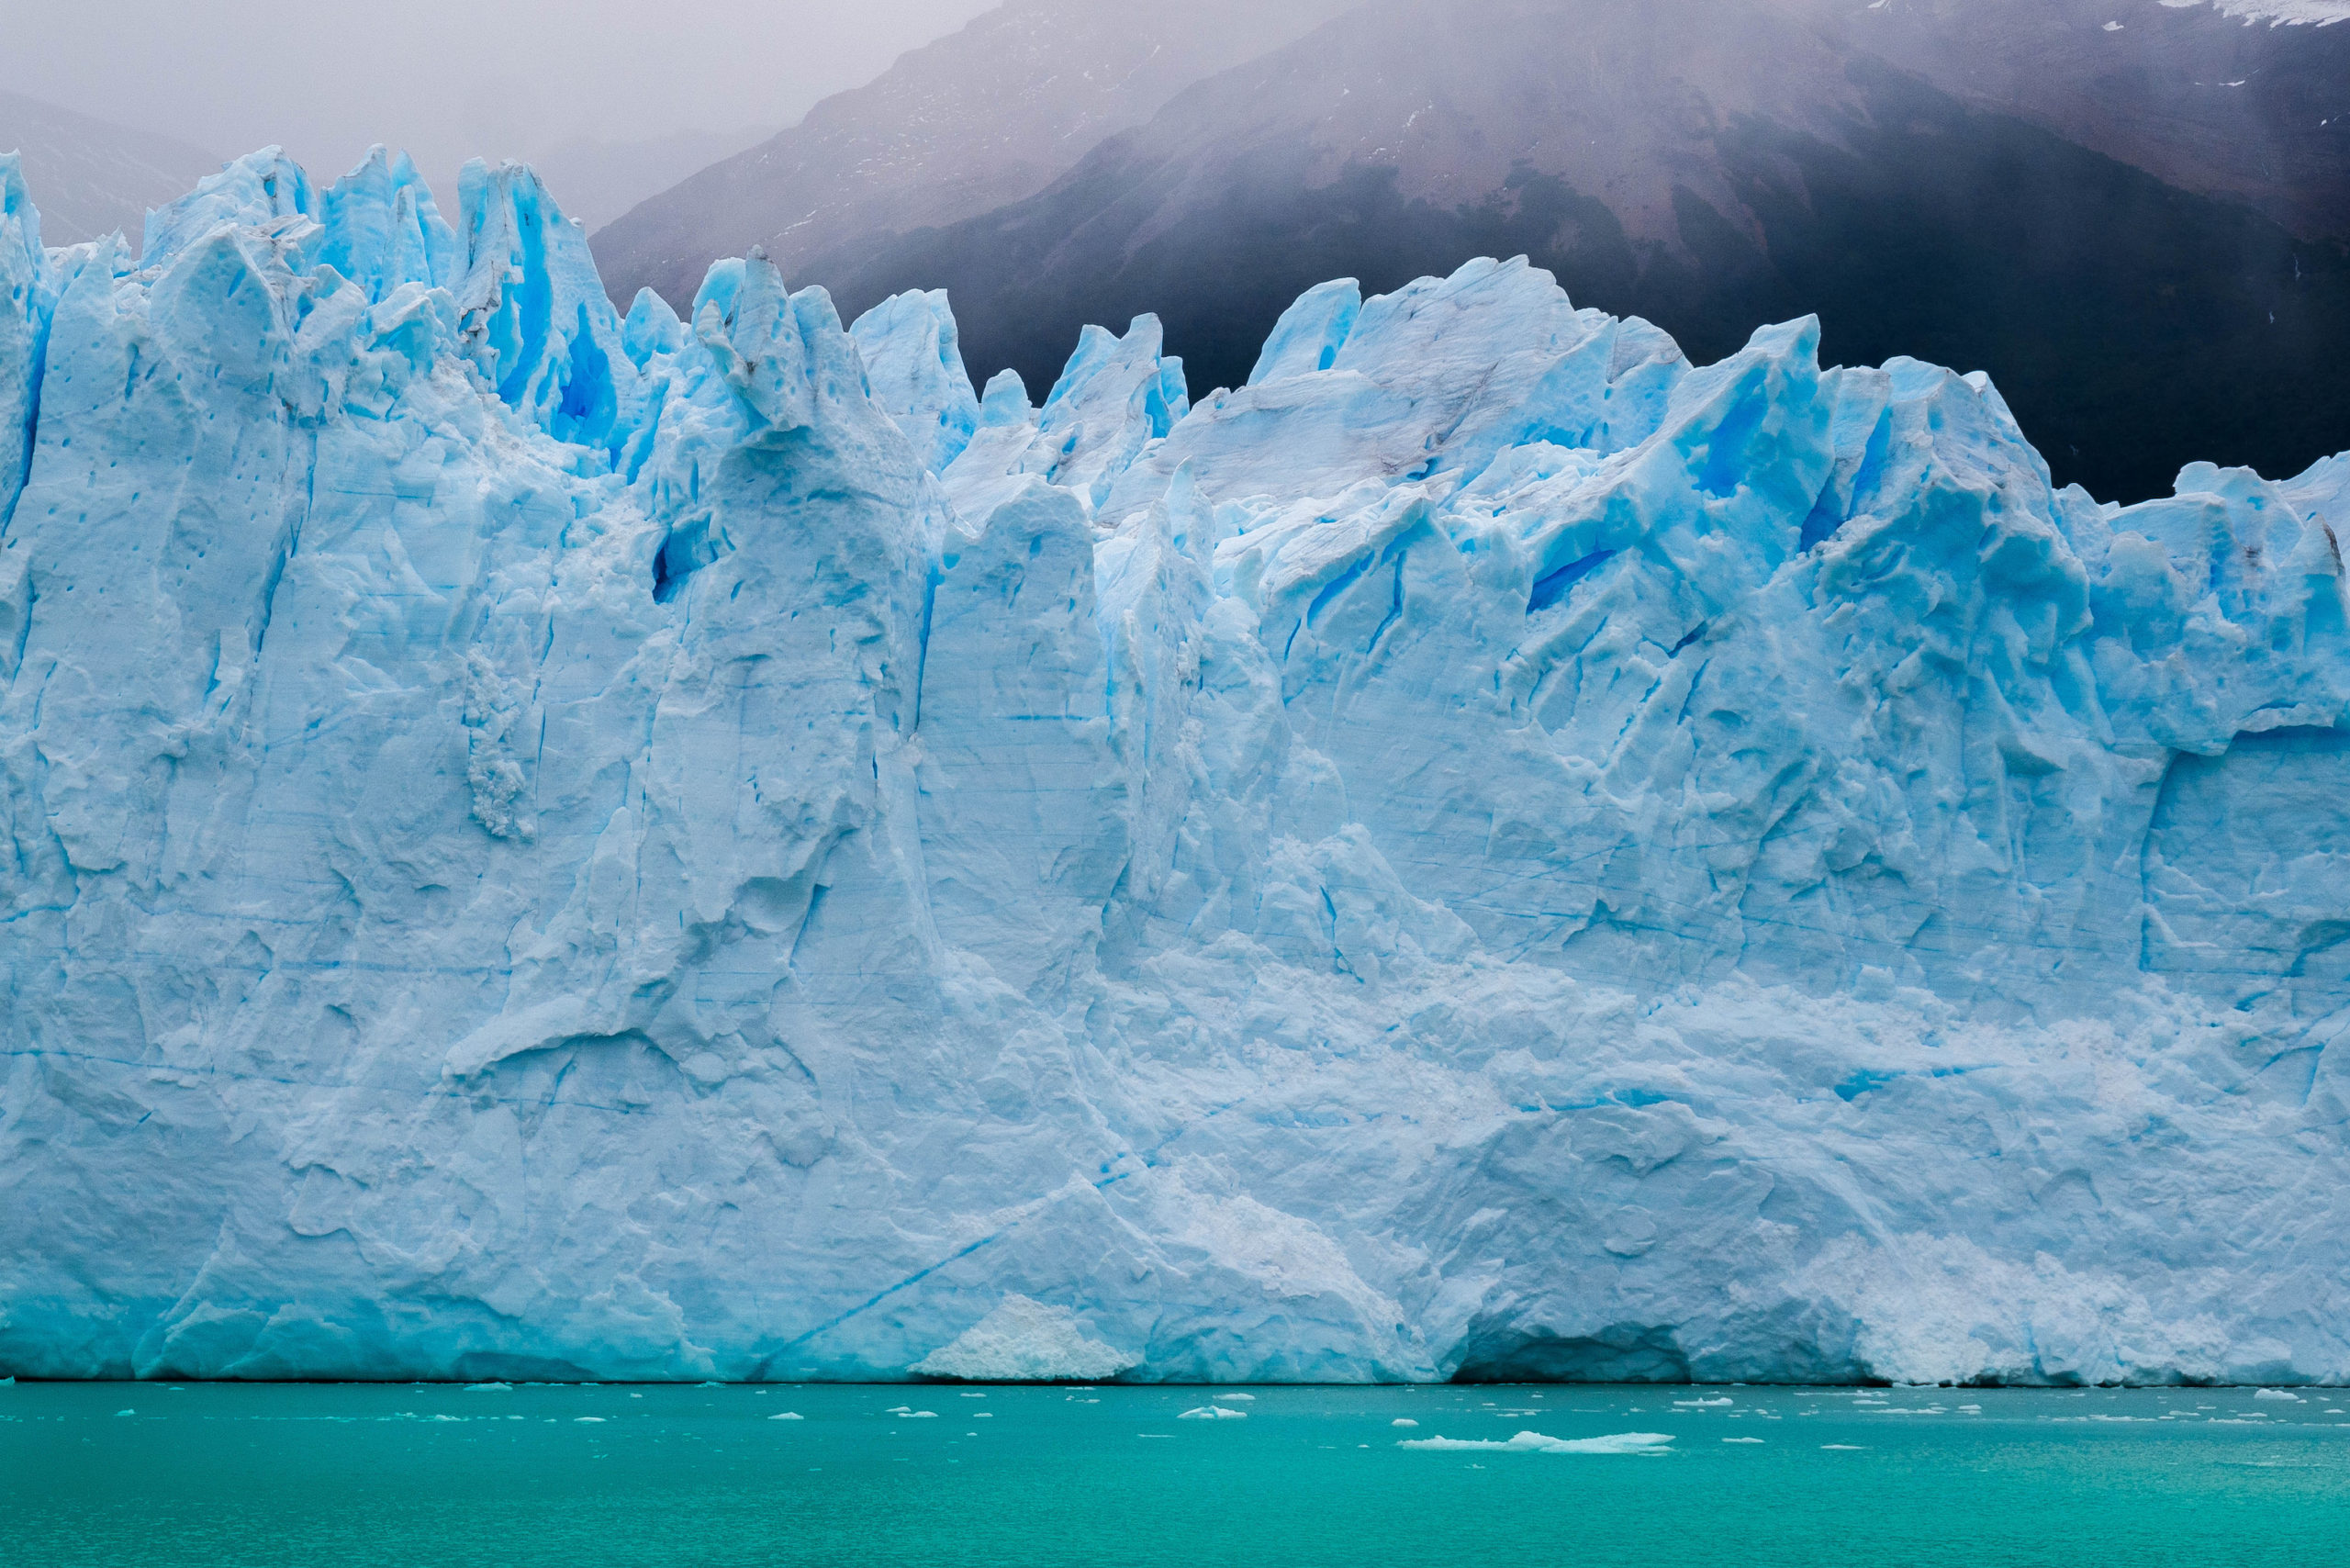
449,79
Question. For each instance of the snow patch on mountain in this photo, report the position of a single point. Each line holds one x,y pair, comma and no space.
2284,13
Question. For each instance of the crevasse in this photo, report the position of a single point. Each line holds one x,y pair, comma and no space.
537,844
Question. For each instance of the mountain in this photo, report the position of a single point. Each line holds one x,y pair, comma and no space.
536,845
2127,225
985,117
2207,99
602,180
91,177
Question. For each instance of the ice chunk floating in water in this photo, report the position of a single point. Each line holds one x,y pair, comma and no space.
539,845
1535,1443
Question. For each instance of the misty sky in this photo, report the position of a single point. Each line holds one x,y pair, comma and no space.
450,79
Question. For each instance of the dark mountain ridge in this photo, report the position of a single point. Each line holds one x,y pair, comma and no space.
987,116
2132,214
2236,107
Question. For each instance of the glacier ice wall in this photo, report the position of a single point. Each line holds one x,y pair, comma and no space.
541,844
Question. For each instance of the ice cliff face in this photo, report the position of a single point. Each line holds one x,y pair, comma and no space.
542,844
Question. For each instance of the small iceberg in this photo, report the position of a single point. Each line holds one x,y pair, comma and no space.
787,1415
1538,1442
1701,1404
2276,1393
1403,1421
489,1388
587,1418
1236,1398
1741,1440
1213,1413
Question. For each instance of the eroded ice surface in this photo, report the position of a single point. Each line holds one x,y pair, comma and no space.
537,844
1024,1341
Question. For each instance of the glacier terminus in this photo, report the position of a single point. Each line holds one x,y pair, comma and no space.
537,843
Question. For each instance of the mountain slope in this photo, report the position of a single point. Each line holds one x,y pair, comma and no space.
2200,97
91,176
1709,168
602,180
988,116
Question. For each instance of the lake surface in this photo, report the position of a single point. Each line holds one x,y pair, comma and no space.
426,1476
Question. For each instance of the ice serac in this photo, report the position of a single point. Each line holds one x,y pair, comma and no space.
383,229
1117,395
982,473
27,296
542,845
535,318
917,374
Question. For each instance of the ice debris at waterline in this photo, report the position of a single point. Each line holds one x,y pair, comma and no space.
544,846
1536,1442
1024,1341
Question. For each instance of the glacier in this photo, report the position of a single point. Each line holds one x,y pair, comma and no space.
537,843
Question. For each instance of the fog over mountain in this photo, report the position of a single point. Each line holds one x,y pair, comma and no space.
2236,100
600,178
2130,212
91,177
449,80
988,115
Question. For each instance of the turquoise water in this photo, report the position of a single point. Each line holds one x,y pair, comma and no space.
432,1475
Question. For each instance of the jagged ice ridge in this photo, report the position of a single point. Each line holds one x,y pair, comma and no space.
534,844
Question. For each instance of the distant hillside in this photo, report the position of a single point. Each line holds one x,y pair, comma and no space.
987,116
598,181
2222,100
90,177
2152,270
